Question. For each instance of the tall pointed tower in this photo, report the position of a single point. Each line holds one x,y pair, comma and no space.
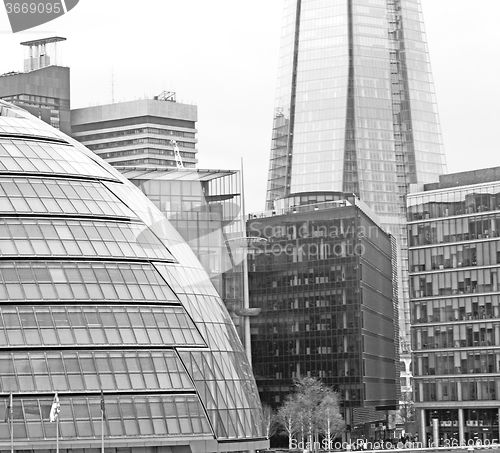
355,110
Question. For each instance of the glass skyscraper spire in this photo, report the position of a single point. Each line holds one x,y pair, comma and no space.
355,107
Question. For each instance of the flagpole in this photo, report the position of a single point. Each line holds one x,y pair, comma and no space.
11,436
11,418
103,416
102,433
57,434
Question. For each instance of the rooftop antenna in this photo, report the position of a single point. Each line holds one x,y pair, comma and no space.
112,85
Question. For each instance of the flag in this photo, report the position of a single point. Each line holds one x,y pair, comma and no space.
9,413
103,407
55,409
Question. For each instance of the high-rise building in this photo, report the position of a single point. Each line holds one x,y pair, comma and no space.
323,277
142,133
355,109
454,256
44,87
104,303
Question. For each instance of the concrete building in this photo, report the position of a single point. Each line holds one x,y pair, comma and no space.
104,303
324,279
139,133
454,256
44,87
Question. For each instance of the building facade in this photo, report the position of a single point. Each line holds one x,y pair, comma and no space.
204,206
139,133
102,302
355,110
323,279
454,255
43,88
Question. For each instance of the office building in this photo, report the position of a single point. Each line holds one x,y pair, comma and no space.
323,278
454,256
103,302
140,133
43,88
204,206
355,110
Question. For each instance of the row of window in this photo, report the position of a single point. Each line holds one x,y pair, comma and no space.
454,202
453,389
15,126
86,281
59,197
294,277
145,151
90,326
92,371
330,321
457,335
40,100
472,417
148,160
455,256
140,130
456,309
340,369
454,230
79,238
36,157
138,141
457,282
458,362
175,415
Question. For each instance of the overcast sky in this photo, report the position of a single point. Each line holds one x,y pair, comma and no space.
222,56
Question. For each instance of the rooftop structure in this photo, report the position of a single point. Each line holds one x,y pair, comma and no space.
43,88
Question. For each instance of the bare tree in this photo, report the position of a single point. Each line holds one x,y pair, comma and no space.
287,418
331,423
313,410
318,403
270,420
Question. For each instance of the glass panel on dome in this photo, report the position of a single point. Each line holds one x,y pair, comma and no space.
92,366
58,196
81,238
95,330
41,157
82,416
139,278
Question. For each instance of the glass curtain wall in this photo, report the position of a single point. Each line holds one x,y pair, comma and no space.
356,110
454,256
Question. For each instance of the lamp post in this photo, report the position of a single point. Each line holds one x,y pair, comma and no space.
245,312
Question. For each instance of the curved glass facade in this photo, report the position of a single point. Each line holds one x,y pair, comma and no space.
98,292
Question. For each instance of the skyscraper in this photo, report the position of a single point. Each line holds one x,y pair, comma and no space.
355,109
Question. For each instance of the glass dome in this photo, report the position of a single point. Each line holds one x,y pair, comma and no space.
99,293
